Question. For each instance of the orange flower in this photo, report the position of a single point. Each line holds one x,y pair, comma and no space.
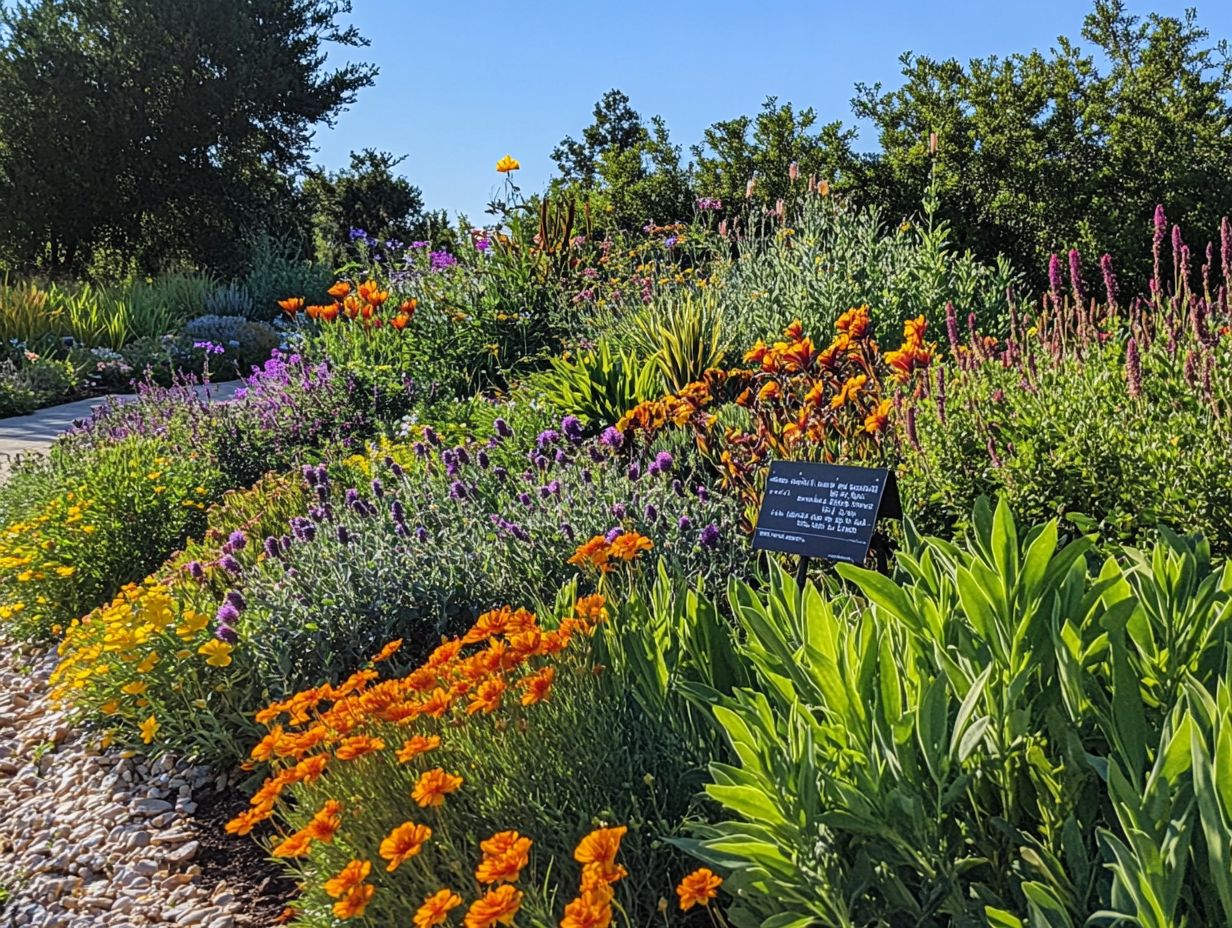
756,353
348,878
914,329
326,822
507,164
599,849
403,843
498,907
433,786
400,321
420,744
488,697
243,823
628,545
358,746
795,330
329,313
595,552
876,420
352,905
593,607
850,391
436,908
339,290
291,305
855,323
586,912
538,685
372,294
437,703
771,391
698,888
296,845
504,856
407,307
309,769
387,652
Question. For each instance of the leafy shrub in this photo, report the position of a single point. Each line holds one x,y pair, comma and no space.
421,550
512,726
598,386
155,665
29,381
230,299
243,343
98,521
994,736
277,269
1118,418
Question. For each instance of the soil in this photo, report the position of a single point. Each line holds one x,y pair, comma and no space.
249,874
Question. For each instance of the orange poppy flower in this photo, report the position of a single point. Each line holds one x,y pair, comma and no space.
243,823
505,854
339,290
498,907
296,845
326,822
420,744
437,703
629,545
600,848
291,305
403,843
436,908
348,878
400,321
309,769
329,313
595,552
488,697
388,651
353,904
584,912
698,888
372,294
433,786
538,685
358,746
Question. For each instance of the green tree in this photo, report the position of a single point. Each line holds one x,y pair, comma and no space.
1074,148
762,148
367,197
158,130
628,170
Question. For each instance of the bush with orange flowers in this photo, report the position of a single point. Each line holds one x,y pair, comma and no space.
509,773
795,401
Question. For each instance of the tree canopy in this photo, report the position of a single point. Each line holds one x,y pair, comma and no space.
149,131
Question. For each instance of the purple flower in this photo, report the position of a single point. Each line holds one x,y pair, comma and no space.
614,533
271,547
702,493
678,487
560,457
670,242
500,473
355,234
684,523
457,490
611,437
547,437
572,427
195,570
302,529
1054,278
634,472
378,488
1110,281
525,500
226,614
1075,277
344,536
651,513
226,633
421,533
236,599
553,487
440,260
619,511
502,428
541,462
430,436
230,564
662,462
352,498
1133,369
710,536
396,469
567,530
419,246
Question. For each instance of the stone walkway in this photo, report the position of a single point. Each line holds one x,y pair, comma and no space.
34,434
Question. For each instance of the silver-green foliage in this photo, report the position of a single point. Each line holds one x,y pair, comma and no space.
1014,732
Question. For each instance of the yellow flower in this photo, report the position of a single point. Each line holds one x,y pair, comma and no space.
136,688
217,653
149,728
507,164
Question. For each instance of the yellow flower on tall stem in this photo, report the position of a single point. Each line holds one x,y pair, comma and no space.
507,164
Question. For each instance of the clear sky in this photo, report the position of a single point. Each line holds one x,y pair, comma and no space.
462,83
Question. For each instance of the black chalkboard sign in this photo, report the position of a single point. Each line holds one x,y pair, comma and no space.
824,510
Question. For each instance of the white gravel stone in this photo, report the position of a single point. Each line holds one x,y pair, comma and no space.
89,838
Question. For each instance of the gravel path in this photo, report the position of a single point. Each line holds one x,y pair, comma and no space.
92,838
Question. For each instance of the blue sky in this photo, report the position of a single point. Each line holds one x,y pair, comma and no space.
462,83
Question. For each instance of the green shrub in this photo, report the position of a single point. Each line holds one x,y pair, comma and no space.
683,334
279,269
1009,732
599,385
